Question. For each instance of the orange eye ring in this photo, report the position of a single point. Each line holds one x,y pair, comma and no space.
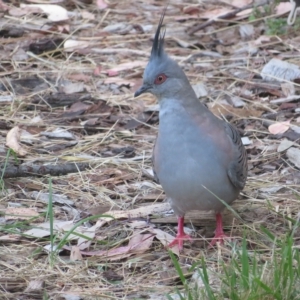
161,78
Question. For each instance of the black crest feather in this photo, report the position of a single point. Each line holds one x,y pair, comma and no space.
158,42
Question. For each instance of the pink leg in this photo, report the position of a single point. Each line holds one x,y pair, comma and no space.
219,233
181,235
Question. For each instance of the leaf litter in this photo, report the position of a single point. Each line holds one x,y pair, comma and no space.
68,77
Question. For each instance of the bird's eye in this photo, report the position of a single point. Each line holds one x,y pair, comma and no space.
161,78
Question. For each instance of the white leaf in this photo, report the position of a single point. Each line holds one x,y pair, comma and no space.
13,141
71,45
54,12
279,128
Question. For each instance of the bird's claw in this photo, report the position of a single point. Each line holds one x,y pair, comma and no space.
179,239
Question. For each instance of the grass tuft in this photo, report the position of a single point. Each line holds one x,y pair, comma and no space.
248,274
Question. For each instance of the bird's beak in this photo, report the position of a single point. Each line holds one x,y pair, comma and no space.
143,89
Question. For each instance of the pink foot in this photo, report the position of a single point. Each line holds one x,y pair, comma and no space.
179,241
220,236
181,235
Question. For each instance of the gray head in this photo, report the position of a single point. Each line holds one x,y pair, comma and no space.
162,77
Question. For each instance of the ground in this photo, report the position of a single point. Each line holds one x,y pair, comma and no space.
76,148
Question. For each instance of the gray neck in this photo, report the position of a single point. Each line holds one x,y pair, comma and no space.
182,102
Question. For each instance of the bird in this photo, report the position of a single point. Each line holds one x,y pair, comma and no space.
198,158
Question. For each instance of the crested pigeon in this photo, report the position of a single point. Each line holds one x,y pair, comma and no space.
198,159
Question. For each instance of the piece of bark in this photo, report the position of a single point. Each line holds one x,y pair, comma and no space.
62,99
12,171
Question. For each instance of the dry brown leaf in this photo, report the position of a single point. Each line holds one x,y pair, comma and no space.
20,213
97,71
165,239
38,232
245,112
244,13
134,213
214,13
138,244
36,119
87,15
191,10
58,133
56,198
262,39
112,73
71,88
84,243
13,141
3,6
43,229
283,8
141,242
19,12
138,224
288,89
79,77
89,122
75,253
35,285
78,107
128,66
10,238
280,127
65,28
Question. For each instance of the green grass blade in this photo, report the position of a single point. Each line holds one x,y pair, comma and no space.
205,280
268,289
177,267
245,265
64,240
8,154
270,235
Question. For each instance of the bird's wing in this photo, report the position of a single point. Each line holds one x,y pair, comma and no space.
238,167
153,162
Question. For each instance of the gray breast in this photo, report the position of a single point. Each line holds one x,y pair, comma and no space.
191,168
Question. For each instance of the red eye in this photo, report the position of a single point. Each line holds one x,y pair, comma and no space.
161,78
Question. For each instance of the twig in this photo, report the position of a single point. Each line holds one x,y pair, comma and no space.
227,15
284,100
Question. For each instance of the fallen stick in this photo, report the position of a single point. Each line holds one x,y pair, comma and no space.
12,171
